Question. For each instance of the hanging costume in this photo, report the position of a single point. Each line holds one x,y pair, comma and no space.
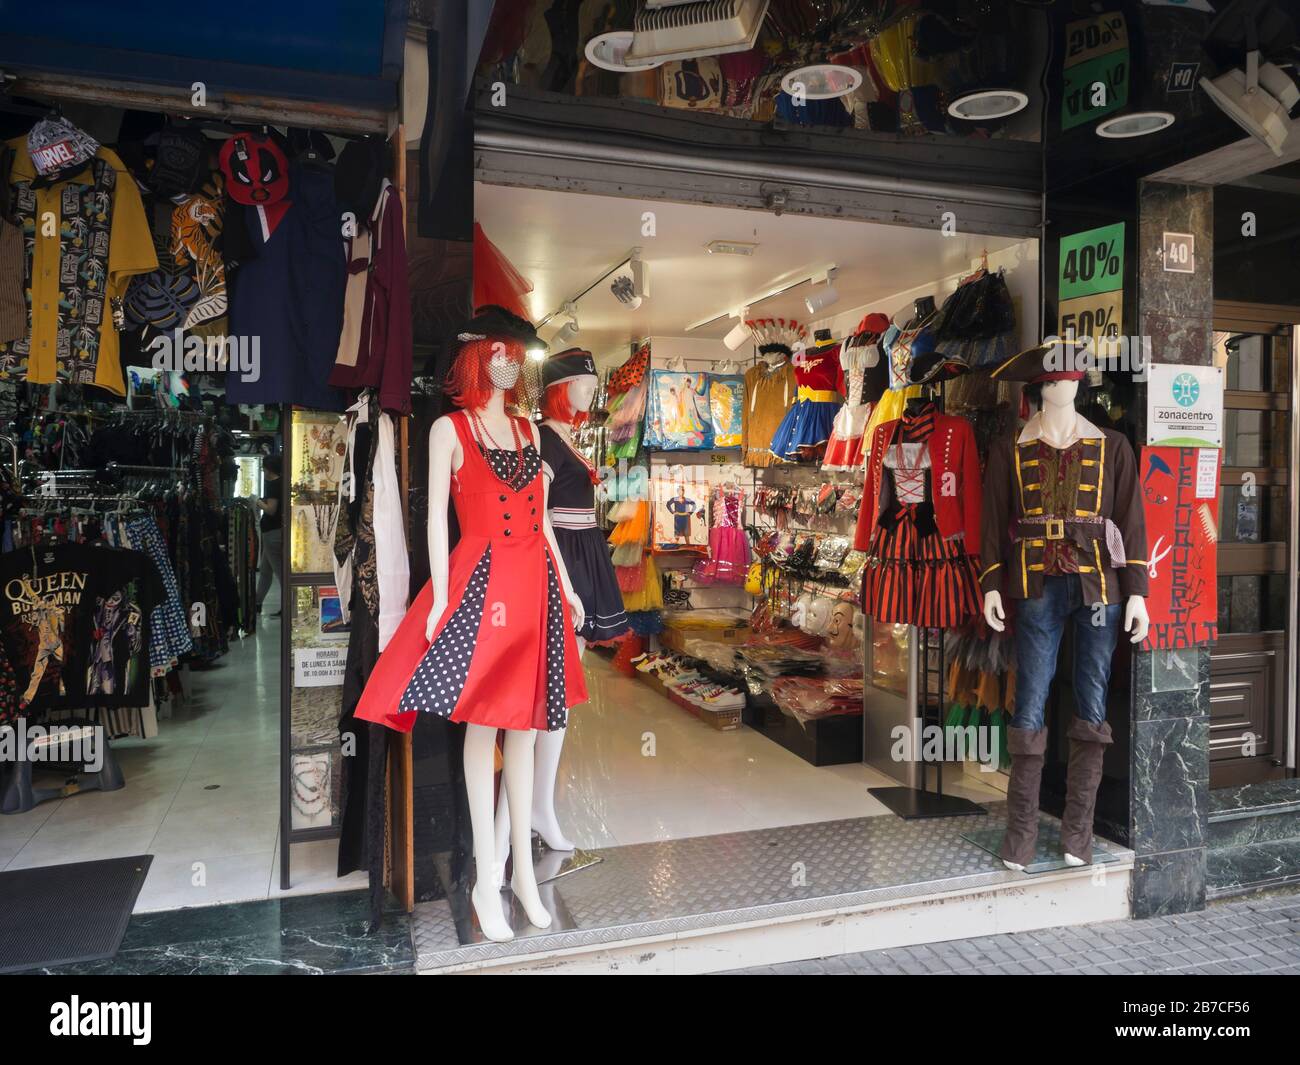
806,427
920,520
865,371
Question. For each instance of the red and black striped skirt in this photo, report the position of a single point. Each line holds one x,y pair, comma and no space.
919,578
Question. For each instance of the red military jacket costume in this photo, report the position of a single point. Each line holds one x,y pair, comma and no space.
1104,521
954,480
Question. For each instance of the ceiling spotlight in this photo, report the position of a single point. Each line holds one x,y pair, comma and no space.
821,298
739,333
535,350
1259,99
609,52
1134,124
570,328
984,105
633,289
821,81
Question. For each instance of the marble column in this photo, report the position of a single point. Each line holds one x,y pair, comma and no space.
1169,731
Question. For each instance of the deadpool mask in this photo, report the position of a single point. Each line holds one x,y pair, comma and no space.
256,170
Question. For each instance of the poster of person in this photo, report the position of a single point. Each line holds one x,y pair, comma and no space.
1180,499
681,515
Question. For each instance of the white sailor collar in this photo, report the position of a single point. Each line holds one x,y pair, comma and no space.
1083,430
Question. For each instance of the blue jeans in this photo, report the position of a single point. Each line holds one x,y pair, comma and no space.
1039,626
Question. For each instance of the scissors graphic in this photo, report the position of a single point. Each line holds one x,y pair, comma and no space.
1157,555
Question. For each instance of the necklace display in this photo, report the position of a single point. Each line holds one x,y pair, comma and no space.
481,431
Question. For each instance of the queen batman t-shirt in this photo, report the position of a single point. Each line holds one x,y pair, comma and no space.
74,619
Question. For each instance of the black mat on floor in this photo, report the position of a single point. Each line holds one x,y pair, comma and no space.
57,914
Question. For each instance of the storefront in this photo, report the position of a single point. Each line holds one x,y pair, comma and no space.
177,512
794,265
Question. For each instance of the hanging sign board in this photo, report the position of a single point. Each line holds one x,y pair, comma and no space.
1180,500
1184,405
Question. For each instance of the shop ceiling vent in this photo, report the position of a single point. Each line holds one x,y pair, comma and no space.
731,247
698,28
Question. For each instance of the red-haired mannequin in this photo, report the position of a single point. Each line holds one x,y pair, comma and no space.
489,641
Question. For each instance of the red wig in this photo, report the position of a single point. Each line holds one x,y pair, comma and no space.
468,384
557,406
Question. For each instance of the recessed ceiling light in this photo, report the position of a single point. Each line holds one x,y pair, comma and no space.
1134,124
986,104
609,52
730,247
821,81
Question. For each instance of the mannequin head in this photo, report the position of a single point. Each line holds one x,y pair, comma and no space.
1059,394
483,367
569,401
570,381
490,359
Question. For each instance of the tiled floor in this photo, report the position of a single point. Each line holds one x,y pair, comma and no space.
202,797
637,768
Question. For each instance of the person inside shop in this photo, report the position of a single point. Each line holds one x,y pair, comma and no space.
269,567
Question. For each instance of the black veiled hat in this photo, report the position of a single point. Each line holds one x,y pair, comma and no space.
491,322
575,362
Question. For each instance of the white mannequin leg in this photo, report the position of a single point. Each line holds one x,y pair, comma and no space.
519,791
550,745
480,749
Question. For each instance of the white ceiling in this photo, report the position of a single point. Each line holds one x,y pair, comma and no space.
563,241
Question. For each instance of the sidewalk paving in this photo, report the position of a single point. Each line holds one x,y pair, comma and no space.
1260,934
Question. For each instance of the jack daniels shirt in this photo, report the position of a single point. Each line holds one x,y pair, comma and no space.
74,622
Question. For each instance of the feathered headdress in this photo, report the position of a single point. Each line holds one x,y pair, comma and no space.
776,334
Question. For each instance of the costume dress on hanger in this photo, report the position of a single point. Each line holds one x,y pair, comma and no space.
916,574
769,391
572,501
866,372
728,560
503,653
807,425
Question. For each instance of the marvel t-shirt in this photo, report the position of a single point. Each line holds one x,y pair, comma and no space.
74,620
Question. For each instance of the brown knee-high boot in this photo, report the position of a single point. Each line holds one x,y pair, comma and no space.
1027,747
1088,743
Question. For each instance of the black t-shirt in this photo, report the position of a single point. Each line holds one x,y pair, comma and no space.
75,624
271,522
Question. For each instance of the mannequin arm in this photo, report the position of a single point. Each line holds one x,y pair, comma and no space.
444,453
993,612
1136,620
575,604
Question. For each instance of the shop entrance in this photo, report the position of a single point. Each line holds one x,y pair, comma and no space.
1253,665
699,267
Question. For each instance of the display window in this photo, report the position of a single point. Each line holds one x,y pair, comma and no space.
202,516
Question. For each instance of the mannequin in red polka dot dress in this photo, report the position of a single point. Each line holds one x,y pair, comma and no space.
490,640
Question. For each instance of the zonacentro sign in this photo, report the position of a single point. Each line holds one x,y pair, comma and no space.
1184,405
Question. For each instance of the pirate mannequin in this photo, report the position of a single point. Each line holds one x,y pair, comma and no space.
1067,494
569,381
489,641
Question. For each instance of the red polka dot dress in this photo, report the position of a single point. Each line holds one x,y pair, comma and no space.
503,653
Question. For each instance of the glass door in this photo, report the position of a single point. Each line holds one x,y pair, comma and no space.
1252,675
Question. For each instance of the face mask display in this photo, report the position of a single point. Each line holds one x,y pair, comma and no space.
503,372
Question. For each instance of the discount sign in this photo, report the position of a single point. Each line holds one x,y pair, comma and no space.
1090,285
